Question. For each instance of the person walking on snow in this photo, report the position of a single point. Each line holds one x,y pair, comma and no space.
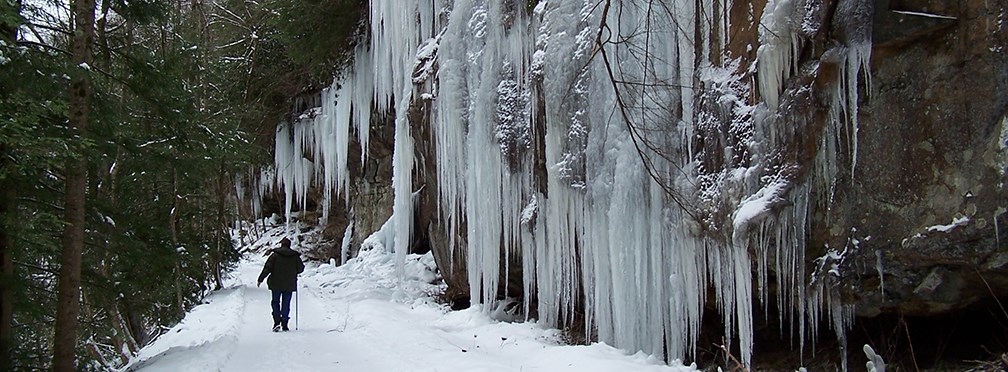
282,267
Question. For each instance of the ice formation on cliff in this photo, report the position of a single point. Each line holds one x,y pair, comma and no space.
605,239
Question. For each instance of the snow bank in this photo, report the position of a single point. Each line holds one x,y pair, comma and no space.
363,316
210,327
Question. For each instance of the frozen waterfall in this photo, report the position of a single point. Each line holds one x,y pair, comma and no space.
634,229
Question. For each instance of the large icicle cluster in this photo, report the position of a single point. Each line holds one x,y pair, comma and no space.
604,236
313,150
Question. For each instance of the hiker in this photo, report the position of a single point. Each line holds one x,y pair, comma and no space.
282,267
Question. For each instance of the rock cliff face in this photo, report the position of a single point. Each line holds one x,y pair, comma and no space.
625,167
931,189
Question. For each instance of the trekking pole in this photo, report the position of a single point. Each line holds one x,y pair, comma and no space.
295,309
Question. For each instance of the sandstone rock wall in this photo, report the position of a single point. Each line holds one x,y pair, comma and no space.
930,191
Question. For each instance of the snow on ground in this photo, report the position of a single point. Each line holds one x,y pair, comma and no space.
361,317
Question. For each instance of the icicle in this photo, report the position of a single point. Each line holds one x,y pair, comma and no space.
855,18
777,56
402,179
997,230
881,274
345,243
363,86
875,362
285,159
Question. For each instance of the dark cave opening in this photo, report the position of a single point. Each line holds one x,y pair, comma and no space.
974,338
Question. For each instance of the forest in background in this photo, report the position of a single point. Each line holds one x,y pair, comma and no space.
124,125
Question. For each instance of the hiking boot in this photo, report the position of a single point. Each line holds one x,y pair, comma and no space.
283,325
276,328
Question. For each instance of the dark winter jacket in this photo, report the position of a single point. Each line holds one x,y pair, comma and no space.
282,267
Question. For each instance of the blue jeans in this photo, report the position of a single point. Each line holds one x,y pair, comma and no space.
281,304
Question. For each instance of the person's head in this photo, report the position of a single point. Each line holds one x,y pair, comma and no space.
285,243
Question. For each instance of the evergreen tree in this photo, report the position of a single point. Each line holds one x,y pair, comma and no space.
180,100
75,192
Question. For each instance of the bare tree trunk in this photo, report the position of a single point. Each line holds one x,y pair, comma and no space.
92,347
221,226
121,335
7,202
68,295
173,228
8,199
114,315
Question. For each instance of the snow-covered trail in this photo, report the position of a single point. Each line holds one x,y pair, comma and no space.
312,347
359,317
